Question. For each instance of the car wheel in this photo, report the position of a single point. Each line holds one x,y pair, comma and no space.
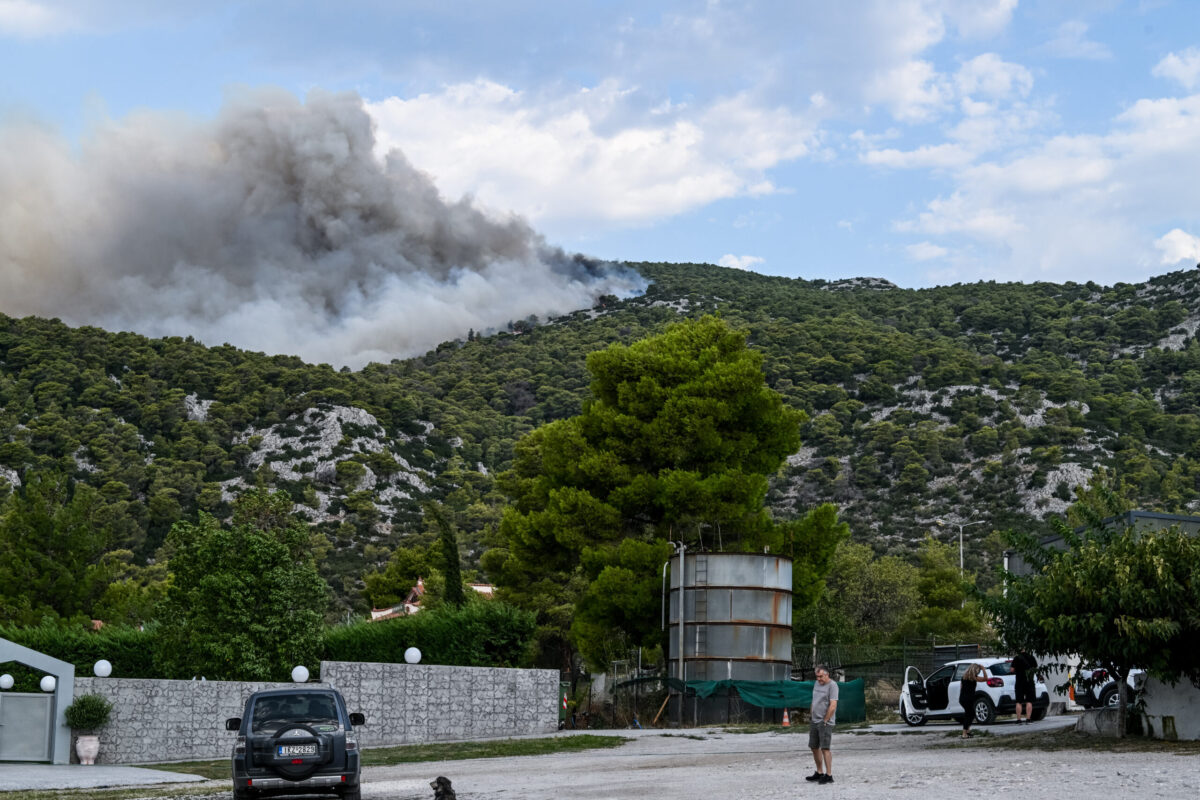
240,794
351,794
1109,697
1038,714
911,718
985,711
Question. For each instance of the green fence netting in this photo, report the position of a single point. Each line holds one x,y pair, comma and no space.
852,700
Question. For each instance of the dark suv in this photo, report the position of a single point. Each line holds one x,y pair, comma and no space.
293,741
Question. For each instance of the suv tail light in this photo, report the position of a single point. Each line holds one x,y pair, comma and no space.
995,683
239,746
351,742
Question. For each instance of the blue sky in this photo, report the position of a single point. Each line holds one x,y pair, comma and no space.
923,141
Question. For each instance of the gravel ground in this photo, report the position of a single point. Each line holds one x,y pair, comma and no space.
877,764
885,761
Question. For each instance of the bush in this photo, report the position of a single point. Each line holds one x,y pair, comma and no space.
130,650
88,712
489,634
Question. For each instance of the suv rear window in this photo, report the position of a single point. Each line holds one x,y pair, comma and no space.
274,712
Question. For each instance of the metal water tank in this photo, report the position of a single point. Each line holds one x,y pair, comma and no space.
737,617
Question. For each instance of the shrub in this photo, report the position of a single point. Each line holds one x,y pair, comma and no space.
130,650
88,712
489,634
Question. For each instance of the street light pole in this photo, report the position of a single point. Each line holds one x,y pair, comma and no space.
962,573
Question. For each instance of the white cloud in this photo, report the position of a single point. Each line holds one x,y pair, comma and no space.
991,76
1081,204
576,158
1070,41
960,213
1184,68
925,251
1178,245
27,19
940,156
739,262
914,91
974,19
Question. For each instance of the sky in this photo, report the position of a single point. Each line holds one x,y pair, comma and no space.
923,141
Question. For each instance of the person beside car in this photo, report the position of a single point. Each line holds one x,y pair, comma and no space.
974,676
1024,666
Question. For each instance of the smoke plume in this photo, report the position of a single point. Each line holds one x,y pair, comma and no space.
272,227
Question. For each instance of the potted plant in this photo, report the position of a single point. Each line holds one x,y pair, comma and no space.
87,714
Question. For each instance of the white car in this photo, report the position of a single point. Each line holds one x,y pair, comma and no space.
1093,688
936,697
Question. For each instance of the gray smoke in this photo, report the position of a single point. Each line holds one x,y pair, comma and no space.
272,227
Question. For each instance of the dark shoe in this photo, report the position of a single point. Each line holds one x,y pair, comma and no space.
816,776
825,779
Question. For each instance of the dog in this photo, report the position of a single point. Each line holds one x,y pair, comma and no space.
442,790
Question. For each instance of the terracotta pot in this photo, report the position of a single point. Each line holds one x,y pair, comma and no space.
86,747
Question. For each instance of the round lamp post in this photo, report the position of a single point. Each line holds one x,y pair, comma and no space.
48,683
6,681
300,674
412,655
102,668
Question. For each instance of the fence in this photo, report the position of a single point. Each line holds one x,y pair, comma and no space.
881,662
160,720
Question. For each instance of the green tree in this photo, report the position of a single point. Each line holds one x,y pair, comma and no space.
50,549
245,601
680,434
947,608
391,585
451,566
865,601
1116,596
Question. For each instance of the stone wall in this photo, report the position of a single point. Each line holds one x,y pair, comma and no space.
406,703
159,720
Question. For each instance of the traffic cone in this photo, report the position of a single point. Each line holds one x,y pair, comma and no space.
786,722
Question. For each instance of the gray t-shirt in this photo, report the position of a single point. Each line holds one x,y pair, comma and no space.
822,696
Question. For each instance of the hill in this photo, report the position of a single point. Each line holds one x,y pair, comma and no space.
980,403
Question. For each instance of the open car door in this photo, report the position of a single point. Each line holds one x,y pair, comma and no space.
914,700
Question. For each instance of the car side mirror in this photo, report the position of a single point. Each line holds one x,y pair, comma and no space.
233,724
357,719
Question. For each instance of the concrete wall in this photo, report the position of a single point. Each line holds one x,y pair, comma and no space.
158,720
1172,712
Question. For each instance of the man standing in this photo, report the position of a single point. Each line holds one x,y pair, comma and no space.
820,729
1023,667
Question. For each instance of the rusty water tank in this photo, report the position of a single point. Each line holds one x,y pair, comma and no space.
737,617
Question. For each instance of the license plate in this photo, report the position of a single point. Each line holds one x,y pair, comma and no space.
297,750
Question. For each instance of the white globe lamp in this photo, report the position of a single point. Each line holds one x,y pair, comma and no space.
48,683
300,674
6,681
102,668
412,656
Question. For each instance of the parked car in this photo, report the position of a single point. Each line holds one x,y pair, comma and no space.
936,697
295,741
1092,687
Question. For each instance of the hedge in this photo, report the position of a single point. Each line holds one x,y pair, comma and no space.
484,634
130,650
490,634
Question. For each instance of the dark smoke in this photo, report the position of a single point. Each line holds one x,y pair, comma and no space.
272,227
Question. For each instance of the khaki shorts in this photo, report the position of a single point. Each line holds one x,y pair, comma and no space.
819,736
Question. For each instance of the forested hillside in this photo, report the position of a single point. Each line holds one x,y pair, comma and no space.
982,403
